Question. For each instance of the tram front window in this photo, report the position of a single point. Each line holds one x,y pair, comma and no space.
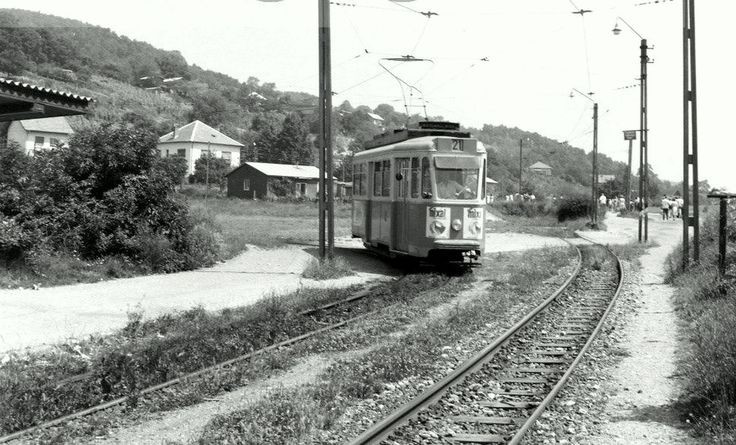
457,183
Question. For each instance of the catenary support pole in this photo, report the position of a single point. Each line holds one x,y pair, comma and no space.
326,207
690,137
595,164
644,137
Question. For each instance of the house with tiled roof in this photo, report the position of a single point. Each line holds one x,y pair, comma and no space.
196,139
541,167
40,134
264,180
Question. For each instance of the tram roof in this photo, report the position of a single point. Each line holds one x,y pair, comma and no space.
425,128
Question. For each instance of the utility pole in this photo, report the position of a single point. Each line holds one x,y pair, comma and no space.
595,164
594,183
644,138
326,201
520,164
690,137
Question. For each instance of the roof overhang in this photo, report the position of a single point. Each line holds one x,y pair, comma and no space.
20,101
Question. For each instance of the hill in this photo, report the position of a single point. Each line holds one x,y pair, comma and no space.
90,60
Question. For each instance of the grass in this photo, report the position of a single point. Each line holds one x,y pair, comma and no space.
45,270
539,225
329,269
268,224
706,303
417,353
145,353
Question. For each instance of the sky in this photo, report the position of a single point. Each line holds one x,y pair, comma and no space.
537,52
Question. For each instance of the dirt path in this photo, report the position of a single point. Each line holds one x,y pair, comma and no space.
643,384
36,317
187,424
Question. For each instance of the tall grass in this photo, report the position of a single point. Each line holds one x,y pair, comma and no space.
707,304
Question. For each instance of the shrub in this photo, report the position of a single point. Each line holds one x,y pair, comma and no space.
529,209
327,269
211,170
573,207
107,194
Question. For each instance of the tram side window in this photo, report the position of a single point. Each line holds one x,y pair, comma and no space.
386,189
377,178
426,181
415,177
360,180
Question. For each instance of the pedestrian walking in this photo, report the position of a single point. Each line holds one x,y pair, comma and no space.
665,206
674,208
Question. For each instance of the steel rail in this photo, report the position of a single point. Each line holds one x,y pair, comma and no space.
194,374
561,383
383,428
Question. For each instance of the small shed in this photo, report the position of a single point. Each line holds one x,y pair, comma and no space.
542,168
263,180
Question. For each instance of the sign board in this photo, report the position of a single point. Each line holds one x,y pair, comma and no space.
629,135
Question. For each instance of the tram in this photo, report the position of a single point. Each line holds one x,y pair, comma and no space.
420,192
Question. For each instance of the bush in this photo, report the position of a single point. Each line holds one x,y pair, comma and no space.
211,170
707,303
327,269
107,194
529,209
573,207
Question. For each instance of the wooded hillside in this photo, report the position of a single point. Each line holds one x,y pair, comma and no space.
274,125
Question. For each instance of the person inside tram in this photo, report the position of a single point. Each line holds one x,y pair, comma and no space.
451,186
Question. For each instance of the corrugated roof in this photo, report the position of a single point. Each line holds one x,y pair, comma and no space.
539,165
198,131
27,88
286,170
375,116
47,125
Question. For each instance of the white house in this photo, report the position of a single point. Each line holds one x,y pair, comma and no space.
194,140
40,134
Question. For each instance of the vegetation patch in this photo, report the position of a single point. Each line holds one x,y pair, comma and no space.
328,269
108,195
707,304
44,385
415,353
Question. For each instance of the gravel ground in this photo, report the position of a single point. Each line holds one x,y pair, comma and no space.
623,391
35,317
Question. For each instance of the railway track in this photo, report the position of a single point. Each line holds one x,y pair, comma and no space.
496,396
327,317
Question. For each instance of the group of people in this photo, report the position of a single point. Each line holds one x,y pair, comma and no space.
617,204
518,197
671,207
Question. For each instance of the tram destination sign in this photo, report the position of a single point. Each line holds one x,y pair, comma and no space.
629,135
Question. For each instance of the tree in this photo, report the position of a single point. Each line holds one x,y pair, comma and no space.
266,127
211,170
293,142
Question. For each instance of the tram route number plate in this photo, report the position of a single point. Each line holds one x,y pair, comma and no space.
438,222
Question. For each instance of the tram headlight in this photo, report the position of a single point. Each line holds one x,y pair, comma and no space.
457,225
475,228
437,227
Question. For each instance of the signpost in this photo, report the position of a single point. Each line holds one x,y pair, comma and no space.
629,135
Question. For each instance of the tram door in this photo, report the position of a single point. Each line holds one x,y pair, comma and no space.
401,214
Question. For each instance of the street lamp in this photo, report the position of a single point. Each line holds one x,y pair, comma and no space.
594,186
643,129
326,198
